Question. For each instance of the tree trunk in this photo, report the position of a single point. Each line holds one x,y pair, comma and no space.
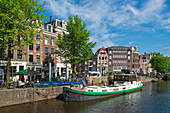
8,65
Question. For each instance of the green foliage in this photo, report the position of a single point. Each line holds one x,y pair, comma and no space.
107,75
169,67
157,54
102,82
19,21
160,64
119,72
138,76
75,46
166,77
71,85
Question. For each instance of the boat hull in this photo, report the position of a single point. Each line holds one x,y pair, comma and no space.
76,95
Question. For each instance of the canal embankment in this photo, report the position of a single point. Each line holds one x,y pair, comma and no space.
147,79
25,95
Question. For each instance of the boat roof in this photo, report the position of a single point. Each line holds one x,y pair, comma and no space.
126,75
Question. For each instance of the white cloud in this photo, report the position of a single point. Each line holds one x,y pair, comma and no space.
103,16
168,48
130,43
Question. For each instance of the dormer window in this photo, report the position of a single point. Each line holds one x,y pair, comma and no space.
64,25
49,28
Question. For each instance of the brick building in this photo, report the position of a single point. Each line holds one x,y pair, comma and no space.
40,54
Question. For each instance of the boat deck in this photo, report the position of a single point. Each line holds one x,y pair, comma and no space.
77,89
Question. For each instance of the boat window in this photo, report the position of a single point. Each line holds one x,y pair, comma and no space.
104,90
116,89
124,88
123,77
90,90
127,77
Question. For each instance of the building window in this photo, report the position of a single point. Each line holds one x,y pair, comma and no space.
31,58
49,28
128,57
38,70
64,25
46,51
102,58
31,47
132,60
105,58
52,41
19,54
21,68
46,40
128,62
38,58
38,36
52,51
59,59
63,59
38,47
110,62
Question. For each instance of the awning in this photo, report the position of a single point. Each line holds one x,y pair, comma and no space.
27,72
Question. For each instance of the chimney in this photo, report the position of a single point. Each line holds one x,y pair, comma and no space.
51,19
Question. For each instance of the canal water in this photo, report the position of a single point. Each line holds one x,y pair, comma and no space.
154,98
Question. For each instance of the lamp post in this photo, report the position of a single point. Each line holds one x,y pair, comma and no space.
49,67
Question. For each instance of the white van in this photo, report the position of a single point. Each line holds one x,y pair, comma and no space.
94,74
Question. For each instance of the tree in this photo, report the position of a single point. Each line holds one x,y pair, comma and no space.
74,44
156,54
20,20
160,64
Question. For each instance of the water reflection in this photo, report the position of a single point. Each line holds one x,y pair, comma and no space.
154,98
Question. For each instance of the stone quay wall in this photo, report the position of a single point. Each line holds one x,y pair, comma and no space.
147,79
25,95
95,80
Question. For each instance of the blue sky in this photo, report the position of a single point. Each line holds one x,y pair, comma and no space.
142,23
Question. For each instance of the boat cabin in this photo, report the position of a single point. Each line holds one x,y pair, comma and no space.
125,79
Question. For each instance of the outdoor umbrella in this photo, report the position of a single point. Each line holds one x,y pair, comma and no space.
27,72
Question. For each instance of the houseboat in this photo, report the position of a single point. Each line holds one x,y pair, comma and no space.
123,84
